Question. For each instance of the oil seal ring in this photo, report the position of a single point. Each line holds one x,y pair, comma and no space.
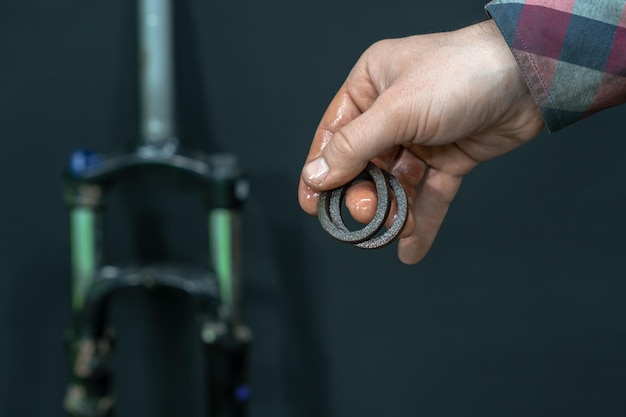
331,219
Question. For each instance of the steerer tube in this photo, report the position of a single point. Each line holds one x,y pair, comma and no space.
156,68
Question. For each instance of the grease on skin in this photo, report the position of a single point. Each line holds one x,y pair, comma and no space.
363,209
308,198
309,194
361,202
326,137
343,113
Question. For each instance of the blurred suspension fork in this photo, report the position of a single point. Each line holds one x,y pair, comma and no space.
225,338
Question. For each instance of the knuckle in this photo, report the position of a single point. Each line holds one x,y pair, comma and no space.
380,46
344,145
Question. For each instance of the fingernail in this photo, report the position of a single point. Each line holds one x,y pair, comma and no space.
316,171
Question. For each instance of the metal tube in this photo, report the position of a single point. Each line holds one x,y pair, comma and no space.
224,225
156,71
84,253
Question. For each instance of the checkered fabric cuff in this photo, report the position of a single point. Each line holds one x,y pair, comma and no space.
572,53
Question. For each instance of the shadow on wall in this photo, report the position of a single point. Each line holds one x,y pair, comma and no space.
303,362
34,346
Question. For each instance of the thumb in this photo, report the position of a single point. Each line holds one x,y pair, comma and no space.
378,129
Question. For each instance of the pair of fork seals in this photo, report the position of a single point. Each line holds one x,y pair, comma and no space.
368,237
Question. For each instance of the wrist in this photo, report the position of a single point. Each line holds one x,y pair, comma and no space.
497,77
500,55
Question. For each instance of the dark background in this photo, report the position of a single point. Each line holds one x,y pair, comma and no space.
518,310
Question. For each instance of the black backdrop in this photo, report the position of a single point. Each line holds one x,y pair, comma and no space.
517,311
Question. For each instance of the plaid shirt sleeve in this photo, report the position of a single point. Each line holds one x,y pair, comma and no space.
571,52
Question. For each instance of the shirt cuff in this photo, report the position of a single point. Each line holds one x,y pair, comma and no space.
570,53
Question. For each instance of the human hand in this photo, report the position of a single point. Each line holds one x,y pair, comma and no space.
449,100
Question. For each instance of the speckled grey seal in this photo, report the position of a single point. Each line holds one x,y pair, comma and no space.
329,211
399,220
329,208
